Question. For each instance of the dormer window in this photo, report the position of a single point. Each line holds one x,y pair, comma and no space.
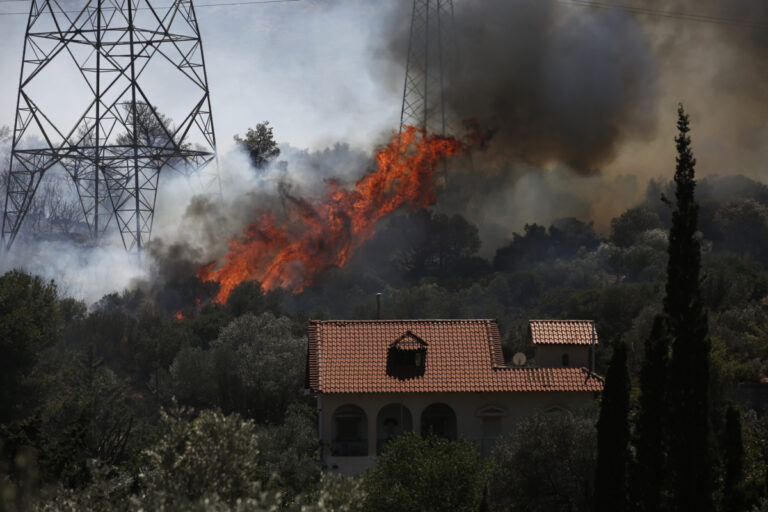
407,357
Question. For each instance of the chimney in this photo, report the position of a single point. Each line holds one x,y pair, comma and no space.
378,306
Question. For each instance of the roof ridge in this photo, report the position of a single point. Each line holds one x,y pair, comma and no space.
564,369
560,320
405,320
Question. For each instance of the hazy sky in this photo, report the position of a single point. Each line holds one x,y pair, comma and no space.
304,66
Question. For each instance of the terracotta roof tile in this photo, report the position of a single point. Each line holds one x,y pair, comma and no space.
462,355
562,332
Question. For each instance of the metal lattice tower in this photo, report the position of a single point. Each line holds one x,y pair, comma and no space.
431,62
98,78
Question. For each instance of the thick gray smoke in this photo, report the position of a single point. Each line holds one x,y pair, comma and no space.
582,101
560,89
554,85
718,68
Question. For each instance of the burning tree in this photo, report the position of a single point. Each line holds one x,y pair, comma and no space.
289,252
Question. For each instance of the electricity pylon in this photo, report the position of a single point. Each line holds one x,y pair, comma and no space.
93,98
431,63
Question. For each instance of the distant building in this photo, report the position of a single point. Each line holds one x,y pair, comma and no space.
375,379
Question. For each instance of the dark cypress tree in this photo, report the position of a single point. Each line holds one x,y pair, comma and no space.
613,436
484,503
648,477
690,453
733,459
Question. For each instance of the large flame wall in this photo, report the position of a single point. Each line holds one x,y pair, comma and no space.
289,251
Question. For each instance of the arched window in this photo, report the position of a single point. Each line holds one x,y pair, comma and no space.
392,421
440,420
350,431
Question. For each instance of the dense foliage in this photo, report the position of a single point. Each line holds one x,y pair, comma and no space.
546,463
260,144
415,474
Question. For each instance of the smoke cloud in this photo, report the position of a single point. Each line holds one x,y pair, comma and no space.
582,101
87,273
554,85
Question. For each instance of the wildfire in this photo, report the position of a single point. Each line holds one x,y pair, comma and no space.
290,252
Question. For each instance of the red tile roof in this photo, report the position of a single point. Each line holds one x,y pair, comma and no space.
462,355
562,332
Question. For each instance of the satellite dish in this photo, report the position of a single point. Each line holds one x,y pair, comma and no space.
519,359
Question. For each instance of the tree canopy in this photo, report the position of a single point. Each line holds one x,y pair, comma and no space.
260,144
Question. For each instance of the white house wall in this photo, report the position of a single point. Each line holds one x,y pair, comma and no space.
551,356
466,406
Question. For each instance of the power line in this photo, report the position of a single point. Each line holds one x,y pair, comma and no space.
643,11
252,2
646,11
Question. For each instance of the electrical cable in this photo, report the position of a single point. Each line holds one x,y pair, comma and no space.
246,2
647,11
643,11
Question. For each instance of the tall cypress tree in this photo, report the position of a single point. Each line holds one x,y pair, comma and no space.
613,436
648,477
690,453
733,459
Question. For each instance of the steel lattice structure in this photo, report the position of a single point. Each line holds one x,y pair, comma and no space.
431,62
126,56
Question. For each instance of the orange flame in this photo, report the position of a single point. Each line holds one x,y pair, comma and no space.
289,253
178,315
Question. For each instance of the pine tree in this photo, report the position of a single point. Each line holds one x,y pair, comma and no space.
648,477
690,452
733,458
613,436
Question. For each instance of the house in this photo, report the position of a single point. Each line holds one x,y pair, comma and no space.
375,379
562,343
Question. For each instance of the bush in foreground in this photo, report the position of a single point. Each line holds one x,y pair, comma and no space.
425,474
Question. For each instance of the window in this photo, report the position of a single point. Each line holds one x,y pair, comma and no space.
407,357
440,420
350,431
491,431
566,360
491,417
392,421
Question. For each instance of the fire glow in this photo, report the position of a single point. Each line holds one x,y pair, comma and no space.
289,253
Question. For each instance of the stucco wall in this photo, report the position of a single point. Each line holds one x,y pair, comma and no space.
467,407
551,356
